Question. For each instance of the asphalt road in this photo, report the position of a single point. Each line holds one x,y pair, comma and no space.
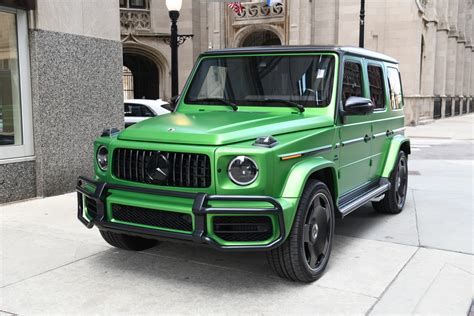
419,261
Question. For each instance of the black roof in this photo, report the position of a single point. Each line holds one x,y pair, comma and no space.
298,49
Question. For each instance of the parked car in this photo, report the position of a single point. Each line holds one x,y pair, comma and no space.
137,110
265,148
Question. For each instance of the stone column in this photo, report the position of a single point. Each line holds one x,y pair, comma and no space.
467,71
441,48
429,55
472,72
440,63
452,47
295,23
451,63
460,50
459,67
468,50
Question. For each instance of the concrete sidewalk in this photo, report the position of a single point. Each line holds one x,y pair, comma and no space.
419,261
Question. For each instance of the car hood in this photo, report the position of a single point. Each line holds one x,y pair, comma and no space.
219,128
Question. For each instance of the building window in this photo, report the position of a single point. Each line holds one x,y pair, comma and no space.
352,81
128,89
135,4
16,139
395,86
376,82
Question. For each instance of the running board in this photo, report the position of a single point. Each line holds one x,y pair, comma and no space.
351,206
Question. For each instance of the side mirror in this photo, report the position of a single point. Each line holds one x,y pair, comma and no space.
173,103
358,106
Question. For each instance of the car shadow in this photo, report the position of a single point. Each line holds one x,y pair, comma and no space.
184,261
181,264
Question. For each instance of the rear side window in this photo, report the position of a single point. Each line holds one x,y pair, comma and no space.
352,81
137,110
377,93
395,86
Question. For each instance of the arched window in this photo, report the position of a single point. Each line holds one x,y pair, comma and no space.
128,91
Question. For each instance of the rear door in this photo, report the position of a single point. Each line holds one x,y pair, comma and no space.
380,118
387,121
354,133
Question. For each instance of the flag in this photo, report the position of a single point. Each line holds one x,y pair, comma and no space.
236,6
271,2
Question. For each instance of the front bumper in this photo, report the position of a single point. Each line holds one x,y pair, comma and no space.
200,210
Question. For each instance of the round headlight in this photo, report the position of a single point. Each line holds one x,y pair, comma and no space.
102,158
242,170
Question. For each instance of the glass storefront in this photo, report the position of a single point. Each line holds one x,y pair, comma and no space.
10,102
16,139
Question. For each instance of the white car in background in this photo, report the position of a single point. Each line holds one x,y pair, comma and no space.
136,110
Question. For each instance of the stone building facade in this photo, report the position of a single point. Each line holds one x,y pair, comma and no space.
66,65
432,39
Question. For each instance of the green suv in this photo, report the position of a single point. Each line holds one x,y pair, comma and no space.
264,149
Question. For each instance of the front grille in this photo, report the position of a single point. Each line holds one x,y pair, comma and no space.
151,217
179,169
243,228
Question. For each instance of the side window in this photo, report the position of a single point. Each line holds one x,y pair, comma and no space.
146,111
377,93
395,86
352,81
136,110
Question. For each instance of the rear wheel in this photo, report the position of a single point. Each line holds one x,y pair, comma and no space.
304,255
395,198
127,242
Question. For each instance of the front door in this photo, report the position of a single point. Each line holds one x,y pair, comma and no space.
354,133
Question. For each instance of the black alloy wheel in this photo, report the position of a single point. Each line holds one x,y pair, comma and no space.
305,254
395,198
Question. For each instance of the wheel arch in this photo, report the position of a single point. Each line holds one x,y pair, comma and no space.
399,142
316,168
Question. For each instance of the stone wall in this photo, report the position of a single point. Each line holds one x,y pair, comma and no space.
17,181
77,92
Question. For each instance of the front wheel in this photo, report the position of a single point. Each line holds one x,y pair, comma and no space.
395,198
305,254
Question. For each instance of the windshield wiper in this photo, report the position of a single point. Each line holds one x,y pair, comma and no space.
219,100
287,102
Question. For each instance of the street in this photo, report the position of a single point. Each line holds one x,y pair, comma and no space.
420,261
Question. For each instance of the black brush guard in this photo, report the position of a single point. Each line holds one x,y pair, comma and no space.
200,211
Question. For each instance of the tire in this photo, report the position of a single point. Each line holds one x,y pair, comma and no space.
305,254
395,198
127,242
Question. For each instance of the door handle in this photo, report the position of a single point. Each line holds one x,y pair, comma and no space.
367,138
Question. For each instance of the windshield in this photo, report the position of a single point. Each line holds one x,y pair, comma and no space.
263,81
